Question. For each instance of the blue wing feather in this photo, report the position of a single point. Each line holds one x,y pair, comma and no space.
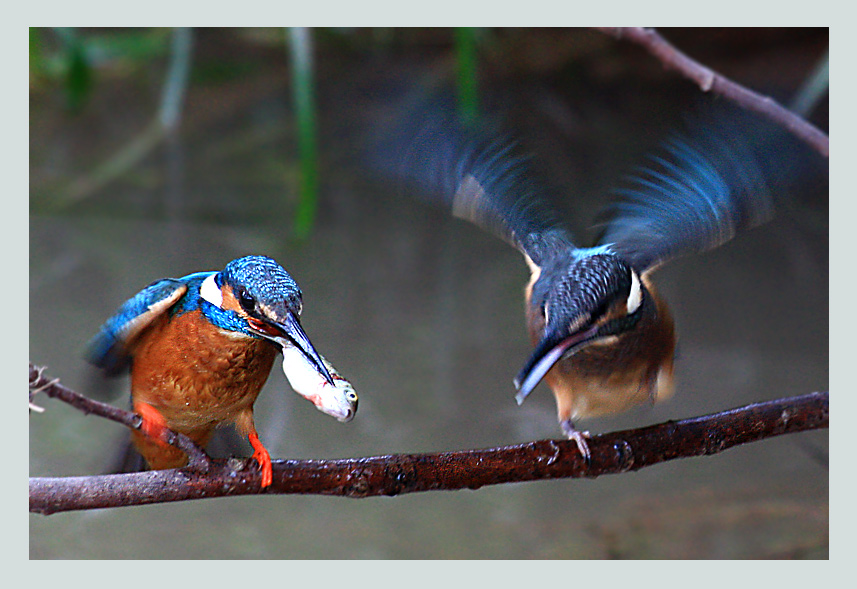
705,187
478,175
110,348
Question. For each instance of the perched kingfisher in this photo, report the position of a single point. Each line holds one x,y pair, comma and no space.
604,339
201,347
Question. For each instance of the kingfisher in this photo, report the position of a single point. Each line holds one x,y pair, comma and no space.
604,339
201,347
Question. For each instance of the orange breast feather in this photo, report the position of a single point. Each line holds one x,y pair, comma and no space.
197,375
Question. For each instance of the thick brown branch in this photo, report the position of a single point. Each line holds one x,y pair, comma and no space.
710,81
410,473
39,383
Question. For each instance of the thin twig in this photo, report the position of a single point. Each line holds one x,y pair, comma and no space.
164,123
711,81
814,87
39,383
612,453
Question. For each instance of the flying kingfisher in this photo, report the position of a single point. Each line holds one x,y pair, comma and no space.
604,339
201,347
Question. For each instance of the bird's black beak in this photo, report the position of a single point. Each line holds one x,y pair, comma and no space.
552,347
288,332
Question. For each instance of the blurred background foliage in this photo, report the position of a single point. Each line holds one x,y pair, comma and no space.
73,63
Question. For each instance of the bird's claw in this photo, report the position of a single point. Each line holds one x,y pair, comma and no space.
579,438
263,458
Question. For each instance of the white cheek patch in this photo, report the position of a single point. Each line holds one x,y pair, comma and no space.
211,292
635,297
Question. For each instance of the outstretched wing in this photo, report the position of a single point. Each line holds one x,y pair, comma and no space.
480,178
705,186
111,348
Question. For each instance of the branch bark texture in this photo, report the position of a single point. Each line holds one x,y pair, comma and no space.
710,81
612,453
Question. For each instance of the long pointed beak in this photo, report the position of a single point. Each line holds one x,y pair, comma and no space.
548,353
295,336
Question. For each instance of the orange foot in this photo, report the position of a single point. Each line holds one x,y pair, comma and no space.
154,425
261,456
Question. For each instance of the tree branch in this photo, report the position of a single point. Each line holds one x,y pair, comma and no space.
612,453
710,81
198,459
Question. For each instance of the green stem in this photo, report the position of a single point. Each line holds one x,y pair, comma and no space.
465,51
300,45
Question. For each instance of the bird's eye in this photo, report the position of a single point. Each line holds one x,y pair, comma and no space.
246,301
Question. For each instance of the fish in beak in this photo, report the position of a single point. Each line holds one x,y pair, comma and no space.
309,374
335,397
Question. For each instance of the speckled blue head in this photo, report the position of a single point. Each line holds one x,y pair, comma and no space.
261,285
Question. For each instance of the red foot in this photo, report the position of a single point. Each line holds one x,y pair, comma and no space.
154,425
261,456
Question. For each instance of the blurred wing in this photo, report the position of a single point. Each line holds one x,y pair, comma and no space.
111,348
697,194
477,177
